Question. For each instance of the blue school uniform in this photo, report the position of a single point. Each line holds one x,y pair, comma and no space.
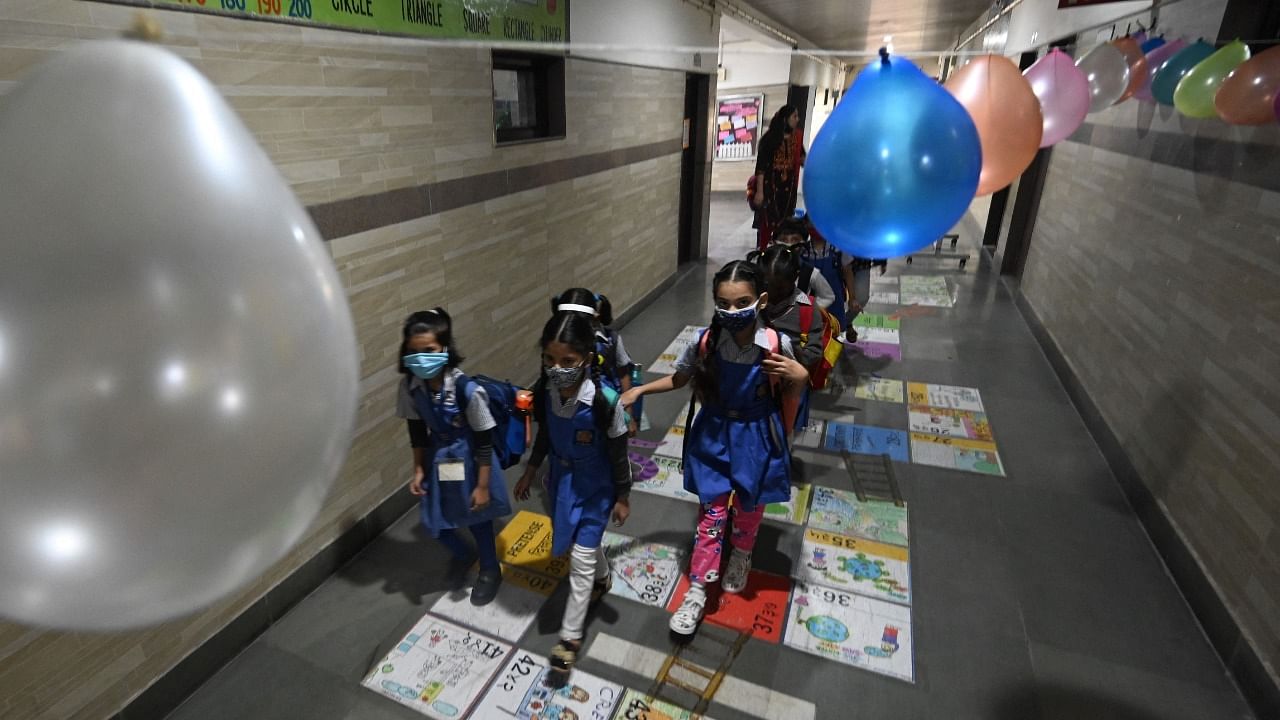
447,504
738,444
580,481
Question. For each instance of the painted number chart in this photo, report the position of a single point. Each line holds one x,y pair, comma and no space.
944,396
949,422
925,290
865,567
520,691
667,480
636,705
852,629
642,571
665,364
841,512
866,440
793,511
672,445
882,389
439,669
973,456
519,598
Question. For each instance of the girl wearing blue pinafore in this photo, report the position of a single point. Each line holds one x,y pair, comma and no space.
584,430
614,367
736,456
450,431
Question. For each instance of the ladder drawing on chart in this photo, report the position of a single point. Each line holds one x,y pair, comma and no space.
730,643
873,477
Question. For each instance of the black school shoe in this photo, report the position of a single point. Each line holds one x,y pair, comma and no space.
486,588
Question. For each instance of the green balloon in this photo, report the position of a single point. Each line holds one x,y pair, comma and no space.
1170,73
1194,94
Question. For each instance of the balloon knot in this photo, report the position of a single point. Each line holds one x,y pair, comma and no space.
145,28
884,56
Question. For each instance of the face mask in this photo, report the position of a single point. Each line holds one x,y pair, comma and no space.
426,365
735,320
563,378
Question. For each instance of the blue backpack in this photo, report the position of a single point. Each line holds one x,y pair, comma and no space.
509,441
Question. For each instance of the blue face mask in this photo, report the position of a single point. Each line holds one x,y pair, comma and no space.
735,320
426,365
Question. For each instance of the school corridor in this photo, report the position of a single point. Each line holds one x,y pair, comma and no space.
256,256
1033,594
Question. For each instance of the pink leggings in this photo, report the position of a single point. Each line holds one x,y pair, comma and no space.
704,566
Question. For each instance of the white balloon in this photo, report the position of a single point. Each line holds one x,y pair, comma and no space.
1107,71
178,368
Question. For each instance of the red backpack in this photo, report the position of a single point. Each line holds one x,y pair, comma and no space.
831,345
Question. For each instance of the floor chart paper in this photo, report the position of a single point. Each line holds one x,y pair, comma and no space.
636,705
882,389
439,669
672,445
525,543
665,364
872,320
949,422
862,566
866,440
793,511
926,290
645,572
944,396
875,349
852,629
840,512
759,610
519,598
667,480
884,335
521,692
973,456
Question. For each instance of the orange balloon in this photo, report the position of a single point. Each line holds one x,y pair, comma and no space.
1247,96
1007,114
1137,60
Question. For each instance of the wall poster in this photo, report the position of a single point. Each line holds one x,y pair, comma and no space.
738,128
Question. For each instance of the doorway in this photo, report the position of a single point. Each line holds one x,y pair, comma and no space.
695,169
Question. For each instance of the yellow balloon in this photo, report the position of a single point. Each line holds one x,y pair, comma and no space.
1195,92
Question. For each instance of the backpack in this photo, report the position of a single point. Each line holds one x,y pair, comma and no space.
607,358
509,435
831,345
788,405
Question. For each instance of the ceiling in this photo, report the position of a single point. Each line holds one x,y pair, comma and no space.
862,24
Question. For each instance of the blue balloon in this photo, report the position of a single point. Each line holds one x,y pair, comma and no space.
1150,45
895,166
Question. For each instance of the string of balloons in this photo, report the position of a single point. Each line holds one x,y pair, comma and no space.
901,158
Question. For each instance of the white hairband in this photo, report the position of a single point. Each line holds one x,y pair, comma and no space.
572,307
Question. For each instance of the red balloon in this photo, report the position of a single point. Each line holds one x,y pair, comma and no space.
1248,95
1137,61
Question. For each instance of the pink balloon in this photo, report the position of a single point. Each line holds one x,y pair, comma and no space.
1156,60
1063,92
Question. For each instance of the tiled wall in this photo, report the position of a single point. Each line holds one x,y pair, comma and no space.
1154,265
347,115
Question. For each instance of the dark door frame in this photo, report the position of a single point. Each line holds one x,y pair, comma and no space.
695,168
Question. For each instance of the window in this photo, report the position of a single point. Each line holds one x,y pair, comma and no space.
528,97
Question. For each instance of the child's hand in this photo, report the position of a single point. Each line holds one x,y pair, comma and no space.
784,367
415,485
621,511
633,428
629,398
479,499
521,490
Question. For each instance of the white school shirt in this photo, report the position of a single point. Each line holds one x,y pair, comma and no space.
729,350
586,394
